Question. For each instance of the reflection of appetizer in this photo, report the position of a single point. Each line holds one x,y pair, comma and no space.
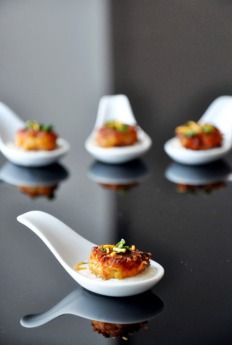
207,188
196,136
118,261
115,330
118,187
37,191
36,136
115,133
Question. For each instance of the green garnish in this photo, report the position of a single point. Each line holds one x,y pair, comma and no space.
123,128
190,133
121,246
121,243
36,126
47,128
119,126
33,125
191,128
207,128
119,250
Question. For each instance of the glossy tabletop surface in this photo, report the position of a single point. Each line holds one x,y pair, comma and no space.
182,215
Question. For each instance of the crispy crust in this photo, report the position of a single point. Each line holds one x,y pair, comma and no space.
117,265
199,140
30,139
111,137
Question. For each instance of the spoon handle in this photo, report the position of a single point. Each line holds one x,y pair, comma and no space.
9,123
220,114
62,241
114,107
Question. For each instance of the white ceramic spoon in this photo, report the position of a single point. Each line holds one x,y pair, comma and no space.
10,123
117,107
70,248
100,308
218,113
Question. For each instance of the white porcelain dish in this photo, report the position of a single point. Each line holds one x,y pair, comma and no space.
10,123
218,113
70,248
117,107
85,304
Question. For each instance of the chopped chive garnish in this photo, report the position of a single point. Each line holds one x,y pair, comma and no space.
121,243
119,126
36,126
207,129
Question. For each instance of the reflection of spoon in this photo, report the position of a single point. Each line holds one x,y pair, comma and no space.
70,248
198,175
10,123
95,307
34,181
117,107
121,175
219,113
17,175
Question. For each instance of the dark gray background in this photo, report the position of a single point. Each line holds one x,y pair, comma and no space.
172,58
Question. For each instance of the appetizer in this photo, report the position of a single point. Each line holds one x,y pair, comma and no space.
118,261
115,133
36,136
115,330
197,136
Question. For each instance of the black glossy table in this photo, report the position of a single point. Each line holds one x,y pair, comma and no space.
188,230
171,59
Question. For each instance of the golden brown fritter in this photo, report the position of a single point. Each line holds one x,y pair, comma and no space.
196,136
36,137
117,261
115,133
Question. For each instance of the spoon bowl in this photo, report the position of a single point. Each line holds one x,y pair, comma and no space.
10,123
117,107
70,248
219,113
